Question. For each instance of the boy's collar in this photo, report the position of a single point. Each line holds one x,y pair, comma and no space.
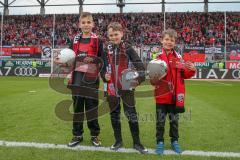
173,52
120,43
92,35
113,44
164,51
87,36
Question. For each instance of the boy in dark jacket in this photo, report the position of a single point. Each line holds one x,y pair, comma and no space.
122,58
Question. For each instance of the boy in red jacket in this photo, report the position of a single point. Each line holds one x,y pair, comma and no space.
84,82
170,90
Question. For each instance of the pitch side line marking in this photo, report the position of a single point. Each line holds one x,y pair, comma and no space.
121,150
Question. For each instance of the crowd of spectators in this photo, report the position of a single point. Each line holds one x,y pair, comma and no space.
140,28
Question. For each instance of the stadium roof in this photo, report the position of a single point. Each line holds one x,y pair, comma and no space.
106,6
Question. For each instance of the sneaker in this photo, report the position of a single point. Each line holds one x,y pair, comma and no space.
75,141
160,148
96,141
139,147
176,147
116,145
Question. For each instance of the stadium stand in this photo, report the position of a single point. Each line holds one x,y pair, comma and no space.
140,28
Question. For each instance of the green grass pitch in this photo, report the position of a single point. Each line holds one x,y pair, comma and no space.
211,123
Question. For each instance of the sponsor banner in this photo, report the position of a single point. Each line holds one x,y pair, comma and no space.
40,63
6,51
45,75
214,50
232,65
46,52
24,49
5,57
214,53
22,71
233,53
25,55
203,65
26,52
217,74
200,74
194,53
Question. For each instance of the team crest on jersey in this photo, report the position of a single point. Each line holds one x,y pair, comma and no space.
77,38
110,48
180,97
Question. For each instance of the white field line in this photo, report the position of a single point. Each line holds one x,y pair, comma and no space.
221,83
215,81
121,150
219,80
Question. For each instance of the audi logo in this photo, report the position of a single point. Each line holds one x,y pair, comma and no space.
236,74
25,71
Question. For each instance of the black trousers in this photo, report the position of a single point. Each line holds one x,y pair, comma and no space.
161,113
91,111
129,111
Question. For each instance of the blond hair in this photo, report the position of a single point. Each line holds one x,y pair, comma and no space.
86,14
116,26
171,32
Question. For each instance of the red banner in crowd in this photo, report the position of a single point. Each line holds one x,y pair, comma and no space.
30,50
234,55
233,52
194,54
22,52
6,51
232,65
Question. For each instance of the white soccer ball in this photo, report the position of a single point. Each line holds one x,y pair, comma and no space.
66,56
157,69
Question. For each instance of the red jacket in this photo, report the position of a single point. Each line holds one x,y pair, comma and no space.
91,49
82,50
171,89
